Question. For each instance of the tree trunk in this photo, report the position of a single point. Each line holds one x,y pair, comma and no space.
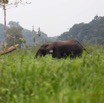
8,50
5,36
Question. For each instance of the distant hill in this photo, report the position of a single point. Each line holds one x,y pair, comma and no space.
92,32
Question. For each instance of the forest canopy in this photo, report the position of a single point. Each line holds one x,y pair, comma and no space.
92,32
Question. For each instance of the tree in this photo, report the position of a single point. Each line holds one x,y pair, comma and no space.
4,4
14,34
92,32
13,24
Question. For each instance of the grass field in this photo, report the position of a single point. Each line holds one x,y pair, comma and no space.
24,79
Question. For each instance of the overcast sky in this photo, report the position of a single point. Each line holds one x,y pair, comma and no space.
54,16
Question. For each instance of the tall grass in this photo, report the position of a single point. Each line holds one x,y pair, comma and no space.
24,79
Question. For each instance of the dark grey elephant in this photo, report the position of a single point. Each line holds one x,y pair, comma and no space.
61,49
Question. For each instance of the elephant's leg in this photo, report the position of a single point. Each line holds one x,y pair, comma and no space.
56,53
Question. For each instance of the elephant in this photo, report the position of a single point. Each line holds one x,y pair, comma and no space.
61,49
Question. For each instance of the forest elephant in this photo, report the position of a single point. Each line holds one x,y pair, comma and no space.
61,49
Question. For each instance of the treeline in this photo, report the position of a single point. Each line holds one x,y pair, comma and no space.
17,34
92,32
89,33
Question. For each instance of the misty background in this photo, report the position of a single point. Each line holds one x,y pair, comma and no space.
56,19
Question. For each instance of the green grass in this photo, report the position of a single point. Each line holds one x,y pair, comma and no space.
24,79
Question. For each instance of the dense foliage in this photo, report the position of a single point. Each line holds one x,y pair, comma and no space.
14,34
25,79
92,32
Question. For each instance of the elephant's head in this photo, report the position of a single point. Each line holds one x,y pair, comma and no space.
42,50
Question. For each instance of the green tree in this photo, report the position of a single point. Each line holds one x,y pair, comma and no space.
14,35
4,4
92,32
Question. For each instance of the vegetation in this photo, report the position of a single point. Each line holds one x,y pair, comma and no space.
92,32
14,34
25,79
15,31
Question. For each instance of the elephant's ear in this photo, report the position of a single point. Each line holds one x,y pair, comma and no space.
51,51
46,45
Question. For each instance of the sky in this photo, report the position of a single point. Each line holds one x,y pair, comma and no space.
53,16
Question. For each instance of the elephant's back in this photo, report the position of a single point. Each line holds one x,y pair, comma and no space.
66,42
